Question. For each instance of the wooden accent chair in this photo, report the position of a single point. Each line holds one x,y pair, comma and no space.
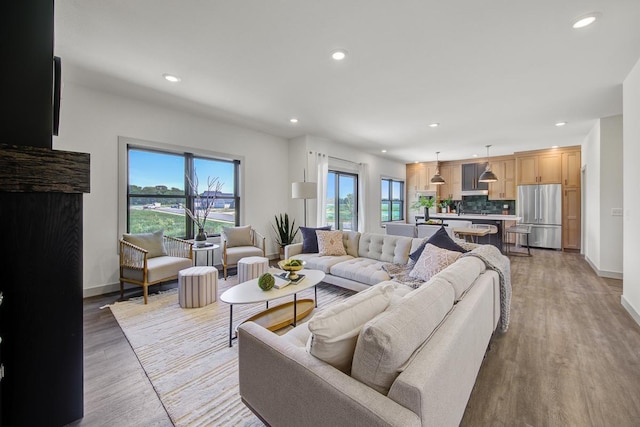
150,258
240,242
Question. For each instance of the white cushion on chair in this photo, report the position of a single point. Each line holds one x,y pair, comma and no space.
235,254
159,268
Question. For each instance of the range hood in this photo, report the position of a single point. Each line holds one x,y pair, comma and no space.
475,192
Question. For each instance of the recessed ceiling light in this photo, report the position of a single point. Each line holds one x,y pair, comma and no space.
171,78
416,161
434,125
384,151
586,20
554,146
475,155
339,54
293,120
560,124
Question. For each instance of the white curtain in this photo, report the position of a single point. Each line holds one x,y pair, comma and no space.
363,177
322,162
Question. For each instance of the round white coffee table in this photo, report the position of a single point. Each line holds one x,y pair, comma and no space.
249,293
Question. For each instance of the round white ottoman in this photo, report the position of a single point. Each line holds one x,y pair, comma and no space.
197,286
252,267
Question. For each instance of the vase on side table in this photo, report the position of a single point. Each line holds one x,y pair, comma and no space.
201,238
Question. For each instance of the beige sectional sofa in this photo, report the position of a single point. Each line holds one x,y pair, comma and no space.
362,266
431,381
413,364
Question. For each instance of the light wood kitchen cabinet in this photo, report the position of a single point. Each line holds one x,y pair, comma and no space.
505,187
452,187
571,165
539,169
419,177
571,218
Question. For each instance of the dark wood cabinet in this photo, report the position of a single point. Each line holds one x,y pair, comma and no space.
470,174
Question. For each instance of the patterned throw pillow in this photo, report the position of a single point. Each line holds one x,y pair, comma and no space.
330,243
432,261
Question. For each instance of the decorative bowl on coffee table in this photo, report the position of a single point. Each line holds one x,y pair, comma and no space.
290,266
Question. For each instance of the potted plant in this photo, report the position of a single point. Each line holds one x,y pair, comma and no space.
444,204
202,204
423,202
285,232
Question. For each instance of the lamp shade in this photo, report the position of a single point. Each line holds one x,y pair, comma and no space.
303,190
487,176
437,179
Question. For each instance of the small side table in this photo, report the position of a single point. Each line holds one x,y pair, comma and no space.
209,250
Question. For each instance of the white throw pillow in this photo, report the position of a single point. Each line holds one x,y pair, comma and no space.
433,260
388,342
334,331
237,236
330,243
152,242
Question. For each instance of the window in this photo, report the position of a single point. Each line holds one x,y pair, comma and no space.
158,191
342,201
392,194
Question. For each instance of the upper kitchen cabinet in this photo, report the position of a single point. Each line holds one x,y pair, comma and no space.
470,174
539,169
452,187
505,187
419,177
571,165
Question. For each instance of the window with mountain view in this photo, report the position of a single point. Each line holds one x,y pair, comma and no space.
162,184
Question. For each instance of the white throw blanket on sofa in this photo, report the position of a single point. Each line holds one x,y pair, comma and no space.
494,260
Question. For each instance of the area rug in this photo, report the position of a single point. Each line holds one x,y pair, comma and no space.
186,356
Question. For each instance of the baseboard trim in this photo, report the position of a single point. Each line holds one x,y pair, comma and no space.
632,311
115,287
604,273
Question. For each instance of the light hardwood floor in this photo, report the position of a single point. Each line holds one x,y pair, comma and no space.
571,357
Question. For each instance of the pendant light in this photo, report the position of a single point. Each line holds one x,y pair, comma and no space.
488,175
437,179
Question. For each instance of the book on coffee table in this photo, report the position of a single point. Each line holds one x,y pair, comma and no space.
281,282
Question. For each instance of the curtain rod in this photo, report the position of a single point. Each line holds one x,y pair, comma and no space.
338,158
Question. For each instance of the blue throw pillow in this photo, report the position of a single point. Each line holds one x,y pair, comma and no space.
310,239
440,239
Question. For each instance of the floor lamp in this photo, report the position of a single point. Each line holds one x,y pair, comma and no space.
304,190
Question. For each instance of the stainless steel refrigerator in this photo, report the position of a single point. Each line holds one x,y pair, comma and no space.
541,206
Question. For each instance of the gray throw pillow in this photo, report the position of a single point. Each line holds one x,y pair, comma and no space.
237,236
152,242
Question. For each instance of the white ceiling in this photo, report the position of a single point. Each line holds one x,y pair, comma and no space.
498,72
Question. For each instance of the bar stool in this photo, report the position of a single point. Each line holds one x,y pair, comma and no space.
518,230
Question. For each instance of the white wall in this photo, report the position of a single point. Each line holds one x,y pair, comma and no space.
602,152
611,195
631,174
591,154
91,122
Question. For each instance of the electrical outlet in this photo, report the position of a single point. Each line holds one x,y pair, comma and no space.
616,211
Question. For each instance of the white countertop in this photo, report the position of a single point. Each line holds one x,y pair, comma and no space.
464,216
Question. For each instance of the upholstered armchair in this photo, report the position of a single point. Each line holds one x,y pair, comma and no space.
240,242
150,258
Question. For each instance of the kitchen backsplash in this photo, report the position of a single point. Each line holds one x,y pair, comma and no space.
482,204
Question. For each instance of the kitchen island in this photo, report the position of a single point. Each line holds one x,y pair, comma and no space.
492,219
